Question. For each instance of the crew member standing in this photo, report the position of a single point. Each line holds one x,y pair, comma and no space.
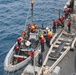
32,28
66,12
32,55
23,34
16,48
19,40
42,39
62,20
59,23
48,38
54,26
69,26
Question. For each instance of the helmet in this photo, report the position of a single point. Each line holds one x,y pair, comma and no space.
51,32
33,27
19,39
41,36
17,47
31,49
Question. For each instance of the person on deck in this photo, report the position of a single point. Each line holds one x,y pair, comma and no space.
42,40
59,23
48,38
66,12
69,26
54,25
32,55
62,20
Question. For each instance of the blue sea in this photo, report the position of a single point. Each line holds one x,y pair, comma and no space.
15,15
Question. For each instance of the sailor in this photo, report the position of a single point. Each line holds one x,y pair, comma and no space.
19,41
54,25
40,59
69,10
59,23
69,25
16,48
48,38
32,55
42,39
32,28
66,12
23,34
62,20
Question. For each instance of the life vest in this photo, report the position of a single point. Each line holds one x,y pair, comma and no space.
49,36
54,22
42,40
58,21
69,23
66,11
19,40
32,53
16,47
63,18
69,9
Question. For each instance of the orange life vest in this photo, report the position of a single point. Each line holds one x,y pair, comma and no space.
42,40
54,22
49,36
58,21
69,23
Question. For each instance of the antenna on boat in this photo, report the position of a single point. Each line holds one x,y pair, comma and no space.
32,4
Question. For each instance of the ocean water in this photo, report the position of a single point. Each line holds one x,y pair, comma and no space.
15,14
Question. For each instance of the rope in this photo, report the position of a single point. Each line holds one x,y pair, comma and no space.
27,17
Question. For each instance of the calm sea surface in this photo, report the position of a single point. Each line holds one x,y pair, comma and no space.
13,18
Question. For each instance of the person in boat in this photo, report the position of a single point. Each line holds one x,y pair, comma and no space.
48,38
16,48
32,28
19,40
54,25
42,40
32,55
23,34
69,26
40,59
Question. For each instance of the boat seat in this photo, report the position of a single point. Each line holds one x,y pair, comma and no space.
20,56
25,50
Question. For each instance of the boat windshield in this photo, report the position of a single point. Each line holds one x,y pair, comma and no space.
33,36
